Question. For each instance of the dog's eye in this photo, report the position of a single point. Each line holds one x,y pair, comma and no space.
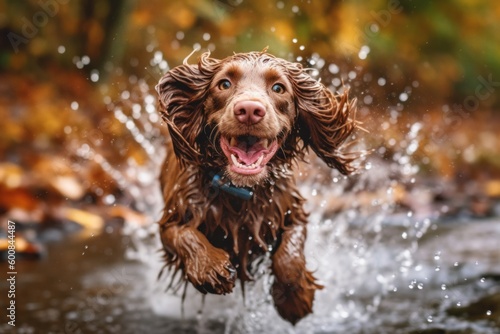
278,88
224,84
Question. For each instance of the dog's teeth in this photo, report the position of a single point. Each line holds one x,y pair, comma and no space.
265,142
233,158
259,161
233,141
242,165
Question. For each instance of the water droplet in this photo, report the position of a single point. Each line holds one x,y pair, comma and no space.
482,280
333,69
429,318
86,60
74,105
488,312
94,75
179,35
344,314
125,95
363,52
314,192
404,235
109,199
61,49
420,286
443,287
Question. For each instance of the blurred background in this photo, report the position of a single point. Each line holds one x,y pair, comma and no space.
80,138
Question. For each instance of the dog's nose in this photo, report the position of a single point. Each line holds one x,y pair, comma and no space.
249,112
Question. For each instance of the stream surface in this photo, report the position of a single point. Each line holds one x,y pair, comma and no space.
107,284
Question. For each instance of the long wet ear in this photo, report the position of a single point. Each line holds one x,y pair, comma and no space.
182,92
324,120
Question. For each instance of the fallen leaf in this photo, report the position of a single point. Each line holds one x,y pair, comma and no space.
68,186
86,219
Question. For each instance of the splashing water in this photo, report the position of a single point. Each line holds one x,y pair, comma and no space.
341,257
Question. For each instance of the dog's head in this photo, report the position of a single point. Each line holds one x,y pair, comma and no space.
249,112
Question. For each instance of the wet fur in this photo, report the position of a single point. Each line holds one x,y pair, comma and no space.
212,237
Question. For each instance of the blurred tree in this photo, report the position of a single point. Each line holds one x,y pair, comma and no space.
446,45
103,28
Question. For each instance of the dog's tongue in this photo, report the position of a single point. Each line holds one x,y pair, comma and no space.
249,156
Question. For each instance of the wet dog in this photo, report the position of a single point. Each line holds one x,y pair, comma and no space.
236,127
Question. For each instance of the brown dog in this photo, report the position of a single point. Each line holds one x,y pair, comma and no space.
236,126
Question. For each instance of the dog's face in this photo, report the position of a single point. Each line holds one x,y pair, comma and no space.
249,112
251,105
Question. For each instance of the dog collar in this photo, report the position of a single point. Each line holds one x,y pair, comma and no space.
240,192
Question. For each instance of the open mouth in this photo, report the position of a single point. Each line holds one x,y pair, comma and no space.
248,155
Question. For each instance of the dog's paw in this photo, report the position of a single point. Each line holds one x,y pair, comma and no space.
211,271
293,295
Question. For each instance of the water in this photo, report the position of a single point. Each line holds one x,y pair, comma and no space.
386,268
366,290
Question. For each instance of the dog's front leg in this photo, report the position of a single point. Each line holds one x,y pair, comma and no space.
208,268
293,288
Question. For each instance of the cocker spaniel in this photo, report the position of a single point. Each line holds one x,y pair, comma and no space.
236,126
